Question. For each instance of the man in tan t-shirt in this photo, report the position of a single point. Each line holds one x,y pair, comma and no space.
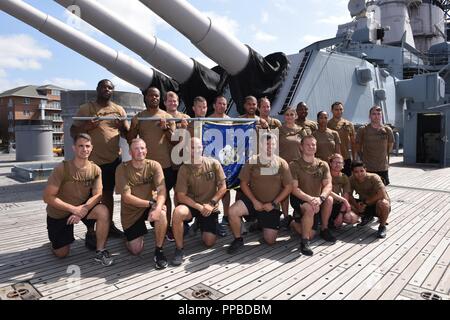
302,113
347,134
200,186
250,107
171,102
137,180
200,107
73,194
157,135
374,144
265,183
264,113
373,198
105,139
310,195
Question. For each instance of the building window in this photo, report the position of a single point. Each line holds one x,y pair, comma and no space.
10,103
26,100
26,112
55,93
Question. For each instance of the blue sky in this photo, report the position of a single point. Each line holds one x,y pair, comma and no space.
29,57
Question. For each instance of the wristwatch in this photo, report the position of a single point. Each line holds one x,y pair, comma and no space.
322,199
213,202
151,203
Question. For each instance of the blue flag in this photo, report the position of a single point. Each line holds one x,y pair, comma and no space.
231,144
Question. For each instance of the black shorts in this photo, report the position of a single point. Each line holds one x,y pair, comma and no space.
384,175
296,203
206,224
138,229
335,211
60,233
109,174
267,220
347,170
170,178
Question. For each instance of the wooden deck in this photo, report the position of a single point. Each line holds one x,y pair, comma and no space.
414,258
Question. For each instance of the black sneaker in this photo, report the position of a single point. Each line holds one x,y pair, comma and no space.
104,258
381,233
90,240
235,245
114,232
160,260
327,236
305,248
367,218
178,258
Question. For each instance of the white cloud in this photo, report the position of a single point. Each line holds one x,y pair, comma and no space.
7,84
22,52
264,17
223,22
334,20
309,39
262,36
66,83
282,6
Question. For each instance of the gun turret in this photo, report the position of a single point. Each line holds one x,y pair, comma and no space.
249,73
194,78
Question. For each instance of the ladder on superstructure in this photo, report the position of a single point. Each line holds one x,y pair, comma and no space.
298,76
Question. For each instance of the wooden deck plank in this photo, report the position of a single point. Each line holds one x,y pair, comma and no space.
419,290
434,276
444,283
361,269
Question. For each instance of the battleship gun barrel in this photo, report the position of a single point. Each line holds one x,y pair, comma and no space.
215,43
248,72
118,63
156,52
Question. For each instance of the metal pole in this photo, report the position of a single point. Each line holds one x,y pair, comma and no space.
167,119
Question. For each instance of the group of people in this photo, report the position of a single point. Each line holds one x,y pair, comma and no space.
313,166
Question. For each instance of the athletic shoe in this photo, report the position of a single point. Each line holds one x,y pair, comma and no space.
327,236
305,248
104,258
381,233
235,245
178,258
160,260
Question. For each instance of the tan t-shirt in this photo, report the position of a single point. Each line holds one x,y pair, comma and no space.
309,125
341,184
346,130
181,115
370,186
374,144
141,183
274,123
290,139
105,137
200,183
75,185
309,175
158,145
266,182
326,143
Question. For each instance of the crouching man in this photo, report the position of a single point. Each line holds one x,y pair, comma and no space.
373,198
72,195
136,181
200,186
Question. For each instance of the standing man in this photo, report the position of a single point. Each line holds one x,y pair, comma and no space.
220,107
73,194
137,180
105,139
250,107
171,102
311,190
265,183
302,113
373,198
200,107
374,144
157,135
346,132
200,186
264,113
